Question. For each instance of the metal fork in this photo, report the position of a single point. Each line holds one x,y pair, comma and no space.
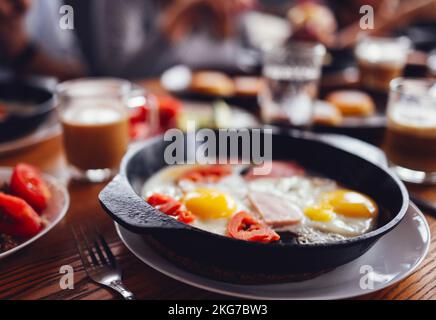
99,262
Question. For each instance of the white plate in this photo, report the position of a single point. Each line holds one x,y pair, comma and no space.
47,130
56,210
390,260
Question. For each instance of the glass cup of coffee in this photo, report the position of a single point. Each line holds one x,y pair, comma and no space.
94,113
380,60
431,64
291,75
410,142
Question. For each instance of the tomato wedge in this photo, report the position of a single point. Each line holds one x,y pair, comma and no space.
169,108
171,207
243,226
158,199
27,183
17,218
137,115
185,216
208,174
138,131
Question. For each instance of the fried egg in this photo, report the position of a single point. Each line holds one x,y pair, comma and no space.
344,212
209,203
212,203
329,212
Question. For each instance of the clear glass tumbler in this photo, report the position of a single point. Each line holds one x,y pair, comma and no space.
291,77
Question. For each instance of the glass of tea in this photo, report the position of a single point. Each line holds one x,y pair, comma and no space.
291,75
380,60
94,113
410,142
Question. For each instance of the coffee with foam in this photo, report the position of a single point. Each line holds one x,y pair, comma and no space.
411,134
380,60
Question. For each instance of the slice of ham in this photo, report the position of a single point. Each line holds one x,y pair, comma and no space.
276,211
279,169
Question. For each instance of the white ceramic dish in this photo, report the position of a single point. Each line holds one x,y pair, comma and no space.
393,258
56,210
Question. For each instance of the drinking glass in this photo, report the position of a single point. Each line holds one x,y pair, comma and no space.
94,113
431,64
291,77
380,60
410,142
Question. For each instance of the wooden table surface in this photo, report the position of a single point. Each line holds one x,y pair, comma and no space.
33,273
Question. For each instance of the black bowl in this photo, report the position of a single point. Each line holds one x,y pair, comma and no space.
37,104
122,201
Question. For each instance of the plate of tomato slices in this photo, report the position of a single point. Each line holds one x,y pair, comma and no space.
31,204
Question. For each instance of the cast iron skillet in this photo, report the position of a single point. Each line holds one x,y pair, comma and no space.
37,100
122,201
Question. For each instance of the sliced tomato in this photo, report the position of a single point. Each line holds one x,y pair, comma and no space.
279,169
243,226
27,183
157,199
137,115
169,108
171,207
138,131
185,216
17,218
211,173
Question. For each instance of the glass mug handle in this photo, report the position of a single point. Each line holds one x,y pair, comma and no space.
138,97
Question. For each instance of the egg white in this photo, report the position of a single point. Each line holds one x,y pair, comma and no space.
302,191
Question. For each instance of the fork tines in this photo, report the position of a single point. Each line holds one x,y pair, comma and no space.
93,249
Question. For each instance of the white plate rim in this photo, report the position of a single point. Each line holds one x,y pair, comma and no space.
53,181
156,267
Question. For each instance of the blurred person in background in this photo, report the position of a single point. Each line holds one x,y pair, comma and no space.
336,23
126,38
141,38
389,15
30,43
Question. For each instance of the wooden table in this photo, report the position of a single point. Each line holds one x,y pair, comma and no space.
33,273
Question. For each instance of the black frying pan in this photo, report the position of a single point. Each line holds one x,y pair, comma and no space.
34,104
121,199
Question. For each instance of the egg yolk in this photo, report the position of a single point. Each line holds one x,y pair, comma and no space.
323,213
350,203
209,204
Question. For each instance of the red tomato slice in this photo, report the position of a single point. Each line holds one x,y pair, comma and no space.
17,218
27,183
137,115
169,108
243,226
138,131
211,173
171,207
157,199
185,216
